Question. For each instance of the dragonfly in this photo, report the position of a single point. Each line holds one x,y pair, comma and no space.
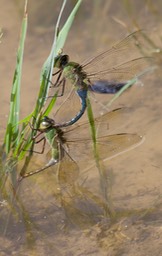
64,141
111,75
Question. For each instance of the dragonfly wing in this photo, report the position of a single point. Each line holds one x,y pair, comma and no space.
127,48
107,147
112,146
68,171
119,63
121,72
106,123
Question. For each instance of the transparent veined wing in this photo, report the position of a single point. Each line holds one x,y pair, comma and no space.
64,164
117,50
68,170
105,124
80,144
108,73
122,72
121,62
67,106
107,146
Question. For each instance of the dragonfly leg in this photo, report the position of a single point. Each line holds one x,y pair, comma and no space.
57,84
63,88
38,141
43,146
62,83
28,174
58,81
59,71
31,126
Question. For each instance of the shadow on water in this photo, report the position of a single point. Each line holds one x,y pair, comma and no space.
42,208
49,205
47,217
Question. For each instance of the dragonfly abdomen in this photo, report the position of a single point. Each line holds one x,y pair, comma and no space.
83,98
106,87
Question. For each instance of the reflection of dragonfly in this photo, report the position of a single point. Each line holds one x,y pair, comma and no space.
63,142
111,75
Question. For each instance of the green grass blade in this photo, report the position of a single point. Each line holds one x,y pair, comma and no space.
65,30
45,78
46,73
104,186
91,122
58,43
117,95
1,34
22,140
50,106
130,83
12,131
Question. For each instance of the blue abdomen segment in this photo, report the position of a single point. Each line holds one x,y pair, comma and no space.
102,87
106,87
82,93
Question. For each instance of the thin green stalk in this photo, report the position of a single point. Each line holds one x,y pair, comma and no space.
46,75
12,131
104,184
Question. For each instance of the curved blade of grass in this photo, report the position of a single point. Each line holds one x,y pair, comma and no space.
58,43
65,30
91,122
46,75
12,131
50,106
125,87
1,34
99,164
13,137
129,84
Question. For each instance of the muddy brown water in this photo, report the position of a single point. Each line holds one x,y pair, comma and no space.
43,223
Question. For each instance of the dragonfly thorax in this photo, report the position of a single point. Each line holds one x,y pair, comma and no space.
61,136
74,72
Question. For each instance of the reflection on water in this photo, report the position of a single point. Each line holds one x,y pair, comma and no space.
47,218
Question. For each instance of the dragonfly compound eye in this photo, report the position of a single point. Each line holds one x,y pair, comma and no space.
61,61
46,123
64,60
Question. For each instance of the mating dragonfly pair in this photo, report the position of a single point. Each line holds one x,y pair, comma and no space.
84,79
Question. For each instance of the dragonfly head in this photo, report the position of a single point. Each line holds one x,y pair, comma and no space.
61,61
46,123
